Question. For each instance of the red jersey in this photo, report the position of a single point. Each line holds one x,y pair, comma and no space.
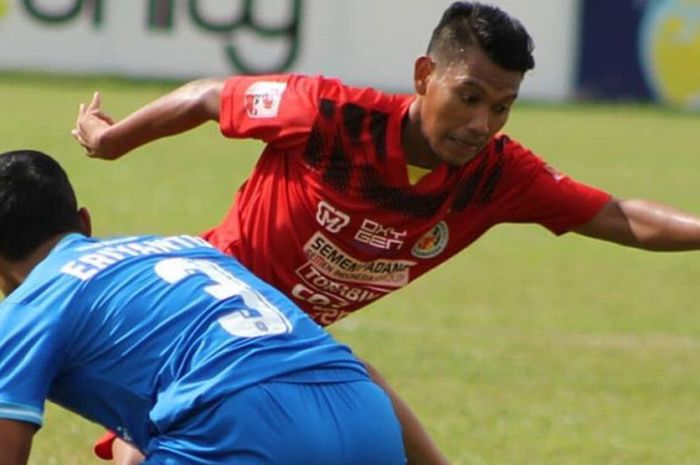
329,215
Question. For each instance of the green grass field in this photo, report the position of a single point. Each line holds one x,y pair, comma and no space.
525,349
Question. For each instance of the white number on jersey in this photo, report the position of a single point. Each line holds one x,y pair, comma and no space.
260,318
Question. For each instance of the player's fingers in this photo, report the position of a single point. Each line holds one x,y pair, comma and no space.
76,135
79,125
78,122
81,116
96,102
104,117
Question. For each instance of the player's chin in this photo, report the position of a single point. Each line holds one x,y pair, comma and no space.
459,157
458,153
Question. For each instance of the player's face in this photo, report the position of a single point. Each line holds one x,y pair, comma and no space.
464,104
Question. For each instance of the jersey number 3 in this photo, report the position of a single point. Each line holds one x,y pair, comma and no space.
259,318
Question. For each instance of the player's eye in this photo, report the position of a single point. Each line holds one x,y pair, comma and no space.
469,99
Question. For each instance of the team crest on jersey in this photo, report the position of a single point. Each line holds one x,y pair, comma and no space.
262,99
433,242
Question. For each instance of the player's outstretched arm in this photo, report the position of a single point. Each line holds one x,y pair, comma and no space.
645,225
181,110
15,442
420,448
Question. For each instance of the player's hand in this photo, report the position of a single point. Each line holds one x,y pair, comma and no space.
91,126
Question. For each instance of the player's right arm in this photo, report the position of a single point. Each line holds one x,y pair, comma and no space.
125,454
15,441
181,110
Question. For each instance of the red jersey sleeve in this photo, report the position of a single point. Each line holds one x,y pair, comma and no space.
103,446
277,109
537,193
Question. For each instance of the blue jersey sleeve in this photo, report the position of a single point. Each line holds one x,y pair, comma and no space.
31,358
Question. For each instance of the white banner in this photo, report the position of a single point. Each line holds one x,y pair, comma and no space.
364,42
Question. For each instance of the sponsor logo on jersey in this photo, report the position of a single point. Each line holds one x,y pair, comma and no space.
262,99
321,307
433,242
345,293
327,316
379,236
330,217
333,262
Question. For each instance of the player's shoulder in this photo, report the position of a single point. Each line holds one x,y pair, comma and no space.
349,95
330,96
512,160
48,269
323,87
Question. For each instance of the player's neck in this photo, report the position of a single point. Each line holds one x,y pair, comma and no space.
416,149
13,273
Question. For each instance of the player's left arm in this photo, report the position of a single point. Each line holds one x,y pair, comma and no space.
419,446
125,454
645,225
15,441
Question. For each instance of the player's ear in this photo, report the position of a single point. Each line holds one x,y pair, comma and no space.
422,71
85,221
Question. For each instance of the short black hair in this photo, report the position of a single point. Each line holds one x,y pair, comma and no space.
37,202
503,38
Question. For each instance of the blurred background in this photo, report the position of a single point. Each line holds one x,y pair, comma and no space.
523,349
633,49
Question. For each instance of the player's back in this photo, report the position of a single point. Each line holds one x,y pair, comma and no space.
141,327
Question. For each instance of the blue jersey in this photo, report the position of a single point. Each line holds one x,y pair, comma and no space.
136,333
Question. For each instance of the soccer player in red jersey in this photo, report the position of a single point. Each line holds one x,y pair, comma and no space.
331,214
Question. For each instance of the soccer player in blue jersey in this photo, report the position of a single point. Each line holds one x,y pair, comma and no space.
168,342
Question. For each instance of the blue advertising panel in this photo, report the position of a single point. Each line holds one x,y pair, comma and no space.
641,49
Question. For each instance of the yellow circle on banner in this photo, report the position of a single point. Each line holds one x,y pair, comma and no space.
4,8
672,51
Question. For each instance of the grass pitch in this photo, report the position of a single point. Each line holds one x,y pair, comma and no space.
524,349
